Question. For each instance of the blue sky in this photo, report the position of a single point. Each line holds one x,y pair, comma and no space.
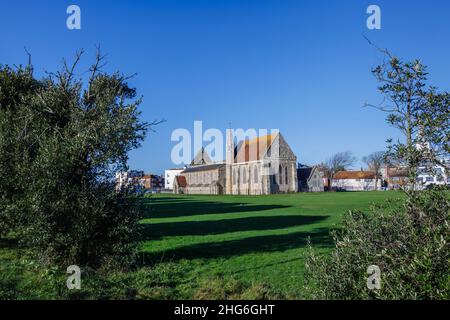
300,66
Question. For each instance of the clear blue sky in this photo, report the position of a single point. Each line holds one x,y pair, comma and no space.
300,66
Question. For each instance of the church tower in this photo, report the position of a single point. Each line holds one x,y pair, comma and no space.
228,162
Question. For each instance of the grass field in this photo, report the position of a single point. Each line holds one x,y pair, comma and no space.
212,247
255,240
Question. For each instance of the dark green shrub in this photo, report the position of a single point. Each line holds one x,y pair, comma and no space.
61,141
409,242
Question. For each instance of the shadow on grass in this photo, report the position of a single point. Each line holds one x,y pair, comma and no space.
160,230
225,249
268,265
185,207
9,243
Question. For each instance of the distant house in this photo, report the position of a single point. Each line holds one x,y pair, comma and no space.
310,179
138,181
152,182
179,185
129,180
432,175
397,177
356,181
394,178
169,177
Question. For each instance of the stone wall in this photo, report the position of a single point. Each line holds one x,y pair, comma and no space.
205,182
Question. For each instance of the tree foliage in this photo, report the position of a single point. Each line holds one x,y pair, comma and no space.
338,162
419,111
61,140
374,162
408,240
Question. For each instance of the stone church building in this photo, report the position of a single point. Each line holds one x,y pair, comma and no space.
264,165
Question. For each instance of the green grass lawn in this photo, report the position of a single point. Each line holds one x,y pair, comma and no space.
255,240
195,247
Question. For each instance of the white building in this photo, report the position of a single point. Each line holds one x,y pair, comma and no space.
169,176
431,174
434,176
129,179
356,181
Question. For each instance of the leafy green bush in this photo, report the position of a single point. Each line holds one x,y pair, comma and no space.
61,141
408,241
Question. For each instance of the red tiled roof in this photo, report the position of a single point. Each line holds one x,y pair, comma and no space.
181,181
397,173
255,149
345,175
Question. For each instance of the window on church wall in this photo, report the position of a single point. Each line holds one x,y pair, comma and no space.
255,173
286,175
273,179
244,175
280,175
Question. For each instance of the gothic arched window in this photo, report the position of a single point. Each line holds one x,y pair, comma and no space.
280,175
244,175
255,174
286,175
